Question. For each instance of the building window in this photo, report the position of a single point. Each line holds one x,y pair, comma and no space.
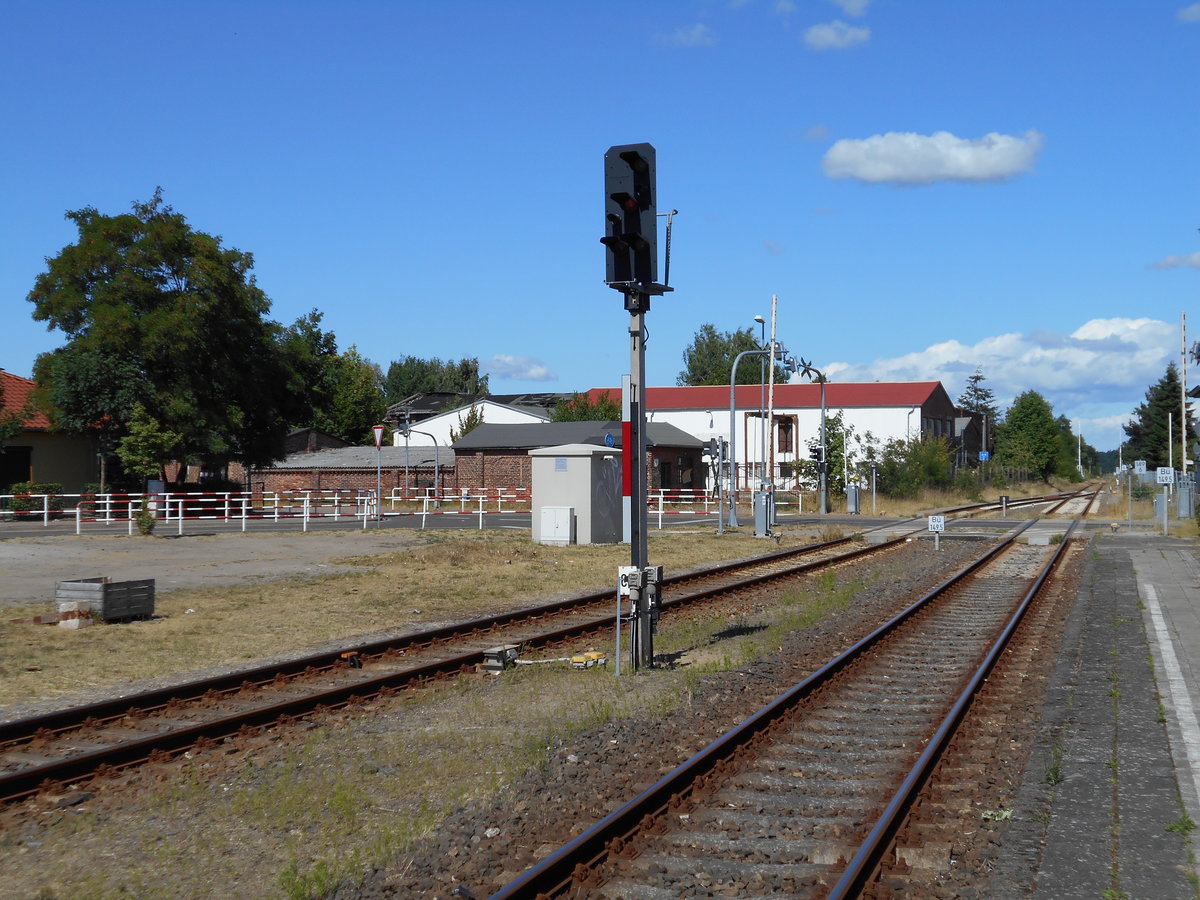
785,432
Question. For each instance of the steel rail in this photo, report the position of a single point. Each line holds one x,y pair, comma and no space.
867,857
24,782
74,716
555,873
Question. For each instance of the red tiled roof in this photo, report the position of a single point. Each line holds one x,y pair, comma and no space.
14,396
840,395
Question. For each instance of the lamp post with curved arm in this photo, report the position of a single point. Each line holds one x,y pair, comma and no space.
733,522
437,460
811,372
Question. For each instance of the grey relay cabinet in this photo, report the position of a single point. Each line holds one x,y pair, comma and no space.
583,478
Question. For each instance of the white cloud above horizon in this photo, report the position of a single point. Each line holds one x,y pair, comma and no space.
1189,13
907,158
1095,376
852,8
518,368
836,35
1190,260
697,35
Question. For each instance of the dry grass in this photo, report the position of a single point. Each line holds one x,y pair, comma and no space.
452,576
292,820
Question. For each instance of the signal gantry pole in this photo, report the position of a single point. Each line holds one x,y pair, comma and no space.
631,240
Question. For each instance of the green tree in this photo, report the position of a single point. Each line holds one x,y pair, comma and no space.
1029,436
909,466
312,356
357,402
411,375
840,444
580,409
1148,432
468,423
91,391
182,321
978,399
148,446
1074,452
709,359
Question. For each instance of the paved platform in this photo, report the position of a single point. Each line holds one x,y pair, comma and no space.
1114,778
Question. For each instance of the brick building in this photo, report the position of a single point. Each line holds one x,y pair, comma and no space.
497,456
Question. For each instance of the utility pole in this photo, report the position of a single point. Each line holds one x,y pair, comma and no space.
631,267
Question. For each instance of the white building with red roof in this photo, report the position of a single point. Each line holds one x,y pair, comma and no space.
882,410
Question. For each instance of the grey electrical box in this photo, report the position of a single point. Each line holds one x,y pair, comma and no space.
584,478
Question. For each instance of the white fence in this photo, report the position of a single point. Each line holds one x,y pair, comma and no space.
116,509
305,506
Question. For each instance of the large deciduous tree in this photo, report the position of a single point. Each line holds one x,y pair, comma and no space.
158,313
1148,433
1029,435
356,403
710,357
411,375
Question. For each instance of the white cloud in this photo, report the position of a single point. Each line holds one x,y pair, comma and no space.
817,133
698,35
835,36
1175,262
1189,13
784,7
773,248
853,8
905,158
1095,376
518,368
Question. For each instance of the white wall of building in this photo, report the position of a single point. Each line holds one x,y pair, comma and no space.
441,425
884,424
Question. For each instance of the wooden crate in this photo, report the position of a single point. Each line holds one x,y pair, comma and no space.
104,599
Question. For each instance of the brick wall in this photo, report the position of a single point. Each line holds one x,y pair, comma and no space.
347,479
494,469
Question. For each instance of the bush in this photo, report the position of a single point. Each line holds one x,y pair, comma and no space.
27,506
908,467
967,484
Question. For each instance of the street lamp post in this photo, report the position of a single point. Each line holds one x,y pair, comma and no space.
437,462
812,373
733,522
762,397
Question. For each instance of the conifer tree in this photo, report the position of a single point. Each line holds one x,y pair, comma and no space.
1148,432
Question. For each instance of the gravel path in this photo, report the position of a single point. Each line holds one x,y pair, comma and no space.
29,567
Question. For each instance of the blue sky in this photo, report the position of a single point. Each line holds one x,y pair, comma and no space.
927,186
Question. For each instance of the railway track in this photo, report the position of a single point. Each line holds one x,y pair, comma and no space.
39,752
804,797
